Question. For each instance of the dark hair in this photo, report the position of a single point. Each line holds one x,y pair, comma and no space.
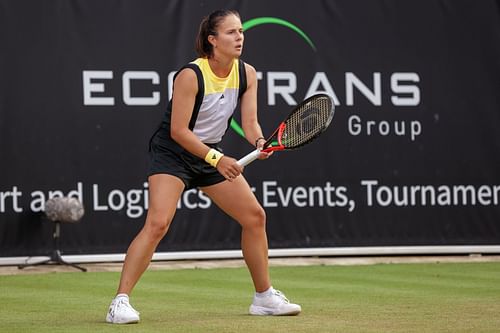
208,26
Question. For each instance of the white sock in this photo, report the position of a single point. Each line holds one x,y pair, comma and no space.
265,293
121,296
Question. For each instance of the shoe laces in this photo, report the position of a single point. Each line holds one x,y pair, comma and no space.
281,295
125,303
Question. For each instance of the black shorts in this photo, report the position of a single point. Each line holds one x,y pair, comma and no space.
168,157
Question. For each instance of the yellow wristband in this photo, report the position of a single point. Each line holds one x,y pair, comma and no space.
213,157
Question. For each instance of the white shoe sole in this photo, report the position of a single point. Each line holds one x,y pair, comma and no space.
262,311
131,321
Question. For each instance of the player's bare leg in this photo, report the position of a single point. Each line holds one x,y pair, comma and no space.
237,200
164,192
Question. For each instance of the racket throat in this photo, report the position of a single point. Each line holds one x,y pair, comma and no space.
274,143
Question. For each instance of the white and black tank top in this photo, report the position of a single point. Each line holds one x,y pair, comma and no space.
216,100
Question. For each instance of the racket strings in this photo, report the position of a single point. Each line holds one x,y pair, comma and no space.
307,122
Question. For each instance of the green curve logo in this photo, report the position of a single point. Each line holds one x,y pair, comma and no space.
270,20
273,20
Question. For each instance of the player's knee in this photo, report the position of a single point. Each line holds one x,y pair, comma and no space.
261,216
258,218
157,227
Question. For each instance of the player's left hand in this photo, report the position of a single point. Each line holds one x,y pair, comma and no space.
263,155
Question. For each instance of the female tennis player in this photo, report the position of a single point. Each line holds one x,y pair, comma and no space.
185,154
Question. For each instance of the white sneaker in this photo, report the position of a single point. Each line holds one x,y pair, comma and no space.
121,312
273,304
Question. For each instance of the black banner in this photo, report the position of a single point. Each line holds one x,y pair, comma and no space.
411,158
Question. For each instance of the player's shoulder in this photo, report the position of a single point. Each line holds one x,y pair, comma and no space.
250,70
186,78
248,66
187,72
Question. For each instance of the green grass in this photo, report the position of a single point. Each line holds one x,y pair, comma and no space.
379,298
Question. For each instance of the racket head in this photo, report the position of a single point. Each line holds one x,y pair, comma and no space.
306,122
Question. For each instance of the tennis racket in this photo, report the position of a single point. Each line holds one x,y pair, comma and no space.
304,124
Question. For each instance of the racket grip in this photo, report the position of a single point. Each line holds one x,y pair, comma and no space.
249,158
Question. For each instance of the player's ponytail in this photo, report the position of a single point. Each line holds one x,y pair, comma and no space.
208,26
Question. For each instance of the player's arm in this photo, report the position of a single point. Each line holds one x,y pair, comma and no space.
249,119
183,100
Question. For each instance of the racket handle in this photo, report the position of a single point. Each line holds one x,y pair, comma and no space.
249,158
